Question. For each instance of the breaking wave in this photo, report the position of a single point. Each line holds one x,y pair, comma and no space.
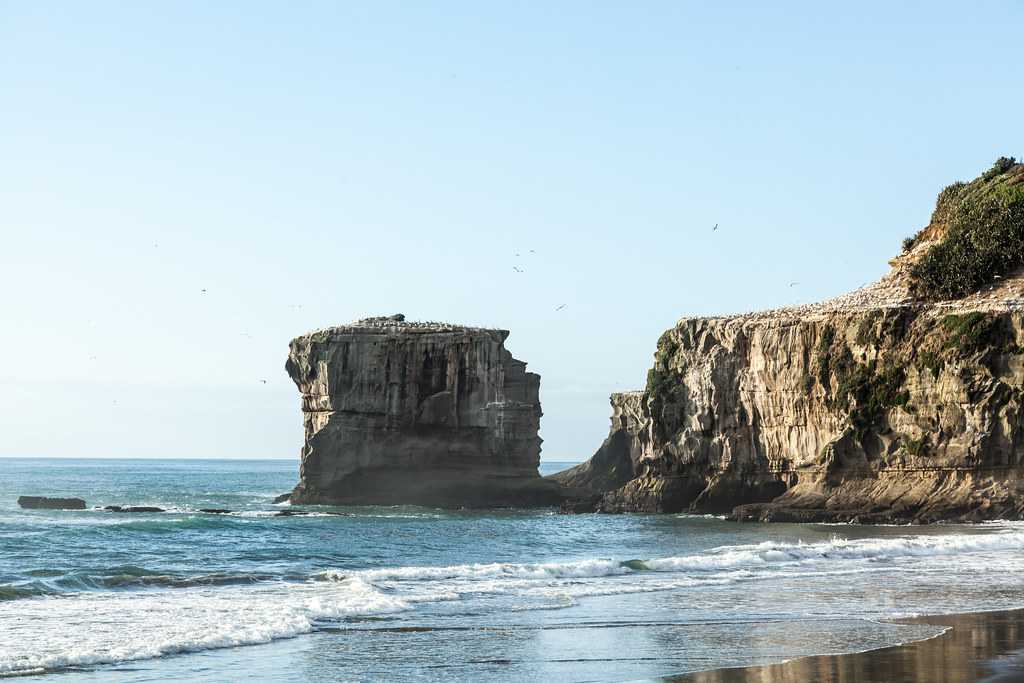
119,627
127,613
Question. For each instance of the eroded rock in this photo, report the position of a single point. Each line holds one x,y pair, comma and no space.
877,406
399,412
45,503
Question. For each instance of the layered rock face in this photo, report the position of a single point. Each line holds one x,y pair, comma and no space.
877,406
397,412
620,457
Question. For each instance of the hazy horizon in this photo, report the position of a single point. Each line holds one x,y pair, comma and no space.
191,186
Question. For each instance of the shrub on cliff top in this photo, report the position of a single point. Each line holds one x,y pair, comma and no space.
984,234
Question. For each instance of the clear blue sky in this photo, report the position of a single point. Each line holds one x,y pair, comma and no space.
373,158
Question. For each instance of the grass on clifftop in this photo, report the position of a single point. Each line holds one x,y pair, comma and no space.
984,235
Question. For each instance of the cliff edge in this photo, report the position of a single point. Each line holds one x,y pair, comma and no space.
899,402
400,412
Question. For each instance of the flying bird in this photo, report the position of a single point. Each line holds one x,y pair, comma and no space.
516,269
263,381
560,307
203,291
714,229
793,284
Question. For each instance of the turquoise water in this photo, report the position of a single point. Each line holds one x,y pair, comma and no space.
404,593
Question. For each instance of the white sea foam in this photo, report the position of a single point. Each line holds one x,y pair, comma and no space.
838,549
104,627
100,628
762,555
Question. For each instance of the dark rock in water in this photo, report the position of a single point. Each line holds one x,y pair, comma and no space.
399,412
215,511
132,508
582,504
776,512
44,503
306,513
283,498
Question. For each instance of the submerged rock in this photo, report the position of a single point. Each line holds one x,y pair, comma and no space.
44,503
883,405
399,412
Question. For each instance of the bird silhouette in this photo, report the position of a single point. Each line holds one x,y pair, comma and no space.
263,381
715,229
793,284
560,307
516,269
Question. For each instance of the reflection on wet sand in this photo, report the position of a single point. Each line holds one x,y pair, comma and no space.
987,647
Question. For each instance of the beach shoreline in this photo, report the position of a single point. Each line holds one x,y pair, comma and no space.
976,647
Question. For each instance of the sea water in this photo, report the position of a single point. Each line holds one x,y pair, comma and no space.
409,593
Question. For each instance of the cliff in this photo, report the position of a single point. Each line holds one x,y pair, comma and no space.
399,412
901,401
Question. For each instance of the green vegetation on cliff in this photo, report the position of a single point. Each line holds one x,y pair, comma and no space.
863,391
983,238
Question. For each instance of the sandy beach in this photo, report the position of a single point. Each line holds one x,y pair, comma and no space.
982,647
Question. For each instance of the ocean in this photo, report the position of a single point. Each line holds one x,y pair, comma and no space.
405,593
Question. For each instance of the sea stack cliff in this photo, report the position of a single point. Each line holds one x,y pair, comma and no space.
899,402
400,412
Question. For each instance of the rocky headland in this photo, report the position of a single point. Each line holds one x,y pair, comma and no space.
899,402
401,412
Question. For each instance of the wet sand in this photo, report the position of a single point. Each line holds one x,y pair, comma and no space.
982,647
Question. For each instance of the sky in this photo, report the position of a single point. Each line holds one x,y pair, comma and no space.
307,164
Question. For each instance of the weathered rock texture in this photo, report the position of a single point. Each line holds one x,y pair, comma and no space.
619,458
873,407
397,412
44,503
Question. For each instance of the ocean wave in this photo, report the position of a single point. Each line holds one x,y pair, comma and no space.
147,579
89,629
549,570
20,591
718,559
839,548
218,610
